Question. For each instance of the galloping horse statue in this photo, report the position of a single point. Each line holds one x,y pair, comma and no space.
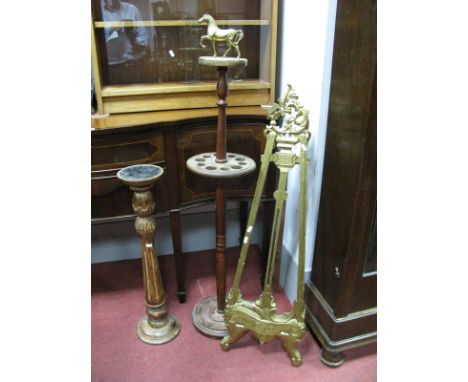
214,34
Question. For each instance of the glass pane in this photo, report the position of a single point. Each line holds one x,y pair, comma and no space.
144,41
184,9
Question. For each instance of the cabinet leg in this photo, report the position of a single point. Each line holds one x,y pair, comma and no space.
331,359
174,218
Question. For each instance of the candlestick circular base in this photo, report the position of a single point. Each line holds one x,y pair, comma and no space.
157,335
235,165
207,319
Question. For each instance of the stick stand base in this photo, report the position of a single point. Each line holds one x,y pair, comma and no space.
207,319
158,333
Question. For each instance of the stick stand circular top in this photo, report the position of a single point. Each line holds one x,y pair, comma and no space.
208,314
157,327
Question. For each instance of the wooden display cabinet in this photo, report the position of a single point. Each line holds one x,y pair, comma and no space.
159,106
145,55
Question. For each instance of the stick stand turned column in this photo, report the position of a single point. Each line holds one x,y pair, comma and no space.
208,314
158,327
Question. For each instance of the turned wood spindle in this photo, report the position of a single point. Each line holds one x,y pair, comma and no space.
220,245
222,92
208,314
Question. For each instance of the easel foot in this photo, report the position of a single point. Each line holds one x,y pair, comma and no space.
234,336
225,343
296,360
294,354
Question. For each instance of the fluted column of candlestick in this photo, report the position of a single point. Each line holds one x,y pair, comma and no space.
158,326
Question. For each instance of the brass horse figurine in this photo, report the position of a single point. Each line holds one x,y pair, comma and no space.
214,34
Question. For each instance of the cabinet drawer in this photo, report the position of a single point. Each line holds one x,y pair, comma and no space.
121,150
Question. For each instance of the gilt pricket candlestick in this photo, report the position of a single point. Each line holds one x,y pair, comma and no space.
208,314
158,327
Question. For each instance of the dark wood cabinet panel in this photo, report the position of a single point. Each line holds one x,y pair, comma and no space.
341,294
113,151
126,148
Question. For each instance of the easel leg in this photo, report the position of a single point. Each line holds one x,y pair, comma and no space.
243,214
268,210
275,284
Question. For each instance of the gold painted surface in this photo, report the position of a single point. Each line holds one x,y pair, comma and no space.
231,37
260,318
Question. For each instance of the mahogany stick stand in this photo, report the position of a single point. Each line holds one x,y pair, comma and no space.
208,314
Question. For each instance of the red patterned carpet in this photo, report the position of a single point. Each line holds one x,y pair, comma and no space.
119,356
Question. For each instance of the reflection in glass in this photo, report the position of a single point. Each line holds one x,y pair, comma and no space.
126,47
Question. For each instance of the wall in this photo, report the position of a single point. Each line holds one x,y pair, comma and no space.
305,57
118,240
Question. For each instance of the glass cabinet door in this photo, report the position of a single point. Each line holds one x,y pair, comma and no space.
145,47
